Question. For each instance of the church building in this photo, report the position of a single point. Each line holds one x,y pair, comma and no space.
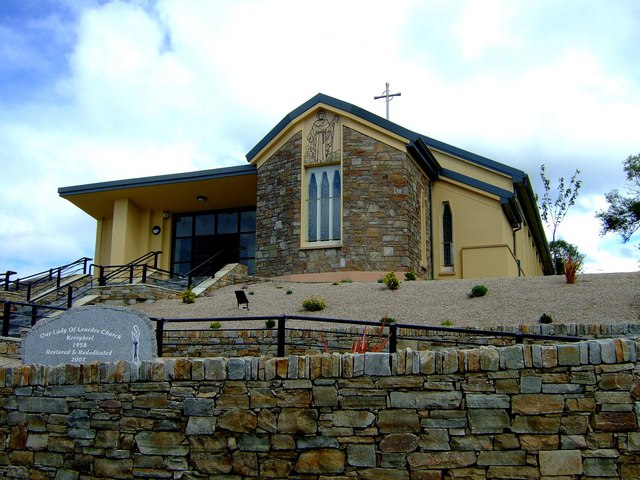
331,190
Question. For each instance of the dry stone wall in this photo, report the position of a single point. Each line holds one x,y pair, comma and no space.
205,342
524,411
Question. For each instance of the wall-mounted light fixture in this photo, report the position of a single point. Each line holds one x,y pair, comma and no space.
156,230
201,198
166,214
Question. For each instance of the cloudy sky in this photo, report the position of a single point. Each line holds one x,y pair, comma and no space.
96,90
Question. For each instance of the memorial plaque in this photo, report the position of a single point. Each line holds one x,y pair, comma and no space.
89,334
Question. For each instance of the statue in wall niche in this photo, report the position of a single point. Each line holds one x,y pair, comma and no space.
320,139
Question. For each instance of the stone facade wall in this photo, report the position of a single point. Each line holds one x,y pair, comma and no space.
381,212
278,211
526,411
381,206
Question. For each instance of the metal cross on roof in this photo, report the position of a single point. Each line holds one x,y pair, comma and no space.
388,97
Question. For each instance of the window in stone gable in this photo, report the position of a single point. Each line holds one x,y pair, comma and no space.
324,204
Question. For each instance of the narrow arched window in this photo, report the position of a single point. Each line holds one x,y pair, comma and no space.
447,237
324,192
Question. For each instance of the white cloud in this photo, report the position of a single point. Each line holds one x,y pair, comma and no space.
144,88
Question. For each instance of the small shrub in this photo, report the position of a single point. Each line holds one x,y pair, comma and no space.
571,268
337,282
446,323
544,318
250,293
381,280
478,291
410,276
391,281
314,304
270,323
215,325
188,296
340,282
387,319
289,292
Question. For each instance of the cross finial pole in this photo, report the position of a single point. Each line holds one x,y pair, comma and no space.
387,96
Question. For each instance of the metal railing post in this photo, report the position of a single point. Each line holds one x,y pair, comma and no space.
29,287
131,274
34,314
84,266
101,280
281,337
155,259
7,274
144,273
5,319
69,296
393,338
159,335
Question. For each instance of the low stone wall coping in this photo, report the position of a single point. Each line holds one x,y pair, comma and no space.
346,365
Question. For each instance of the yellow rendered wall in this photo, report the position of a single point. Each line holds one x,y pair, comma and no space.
485,245
103,242
127,235
478,222
527,252
473,170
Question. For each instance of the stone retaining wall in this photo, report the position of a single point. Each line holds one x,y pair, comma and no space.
207,341
524,411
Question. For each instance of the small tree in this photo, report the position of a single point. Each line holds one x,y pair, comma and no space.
553,210
563,250
623,214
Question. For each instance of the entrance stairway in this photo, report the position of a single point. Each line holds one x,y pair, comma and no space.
20,308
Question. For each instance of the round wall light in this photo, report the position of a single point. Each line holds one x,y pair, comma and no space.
155,230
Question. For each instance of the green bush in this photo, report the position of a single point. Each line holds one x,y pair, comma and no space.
188,296
478,291
314,304
391,281
387,319
446,323
410,276
544,318
215,325
270,323
289,292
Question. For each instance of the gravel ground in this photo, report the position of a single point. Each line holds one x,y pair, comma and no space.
594,299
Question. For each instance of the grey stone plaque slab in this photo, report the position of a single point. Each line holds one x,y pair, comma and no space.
89,334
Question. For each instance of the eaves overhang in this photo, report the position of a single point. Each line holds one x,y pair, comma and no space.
503,194
334,103
218,189
423,156
516,174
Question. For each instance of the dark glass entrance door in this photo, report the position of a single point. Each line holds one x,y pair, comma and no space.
203,243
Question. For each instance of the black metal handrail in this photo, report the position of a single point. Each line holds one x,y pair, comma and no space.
44,278
393,328
8,313
190,274
127,269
